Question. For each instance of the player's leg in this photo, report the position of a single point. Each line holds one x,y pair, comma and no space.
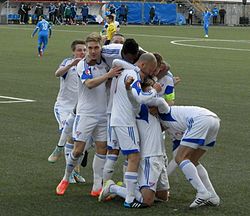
202,172
61,117
172,165
39,42
206,29
100,137
98,166
128,139
112,153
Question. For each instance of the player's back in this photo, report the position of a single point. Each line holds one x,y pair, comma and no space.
111,52
167,84
122,109
206,16
150,133
43,26
179,118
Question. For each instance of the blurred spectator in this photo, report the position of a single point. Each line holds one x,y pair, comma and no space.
151,14
222,13
27,8
122,10
85,13
73,9
38,11
67,13
21,12
215,12
52,9
190,16
61,11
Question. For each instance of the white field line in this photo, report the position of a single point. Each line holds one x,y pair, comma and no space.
175,42
179,43
15,100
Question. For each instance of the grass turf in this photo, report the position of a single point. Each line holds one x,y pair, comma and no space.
217,79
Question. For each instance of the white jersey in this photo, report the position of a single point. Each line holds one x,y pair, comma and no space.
177,119
167,84
67,96
122,110
124,65
149,128
91,102
111,52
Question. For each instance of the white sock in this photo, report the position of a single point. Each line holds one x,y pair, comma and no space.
68,149
109,167
67,130
122,191
131,180
98,165
71,162
124,169
192,176
202,172
171,167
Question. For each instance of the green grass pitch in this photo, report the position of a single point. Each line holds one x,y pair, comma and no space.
218,79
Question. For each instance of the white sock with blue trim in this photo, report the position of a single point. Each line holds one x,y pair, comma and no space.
191,174
71,163
122,192
109,167
202,172
98,165
124,169
131,180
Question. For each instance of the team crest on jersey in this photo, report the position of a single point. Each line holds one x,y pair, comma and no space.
139,85
87,71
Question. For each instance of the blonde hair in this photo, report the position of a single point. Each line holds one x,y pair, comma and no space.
94,37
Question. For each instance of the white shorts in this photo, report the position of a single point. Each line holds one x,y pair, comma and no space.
112,141
152,174
127,139
61,117
87,127
202,132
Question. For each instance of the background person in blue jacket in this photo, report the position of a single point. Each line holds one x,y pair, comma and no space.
206,20
215,12
44,33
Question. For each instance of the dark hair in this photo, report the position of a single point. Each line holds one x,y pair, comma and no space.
130,47
76,42
158,58
111,17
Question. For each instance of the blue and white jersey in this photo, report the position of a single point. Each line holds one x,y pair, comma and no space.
123,113
124,65
150,133
111,52
91,102
68,93
167,84
44,27
177,119
206,17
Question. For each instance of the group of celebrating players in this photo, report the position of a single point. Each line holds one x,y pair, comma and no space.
118,97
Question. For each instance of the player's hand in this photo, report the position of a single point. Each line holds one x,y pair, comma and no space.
157,87
75,62
115,71
153,111
177,80
128,82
